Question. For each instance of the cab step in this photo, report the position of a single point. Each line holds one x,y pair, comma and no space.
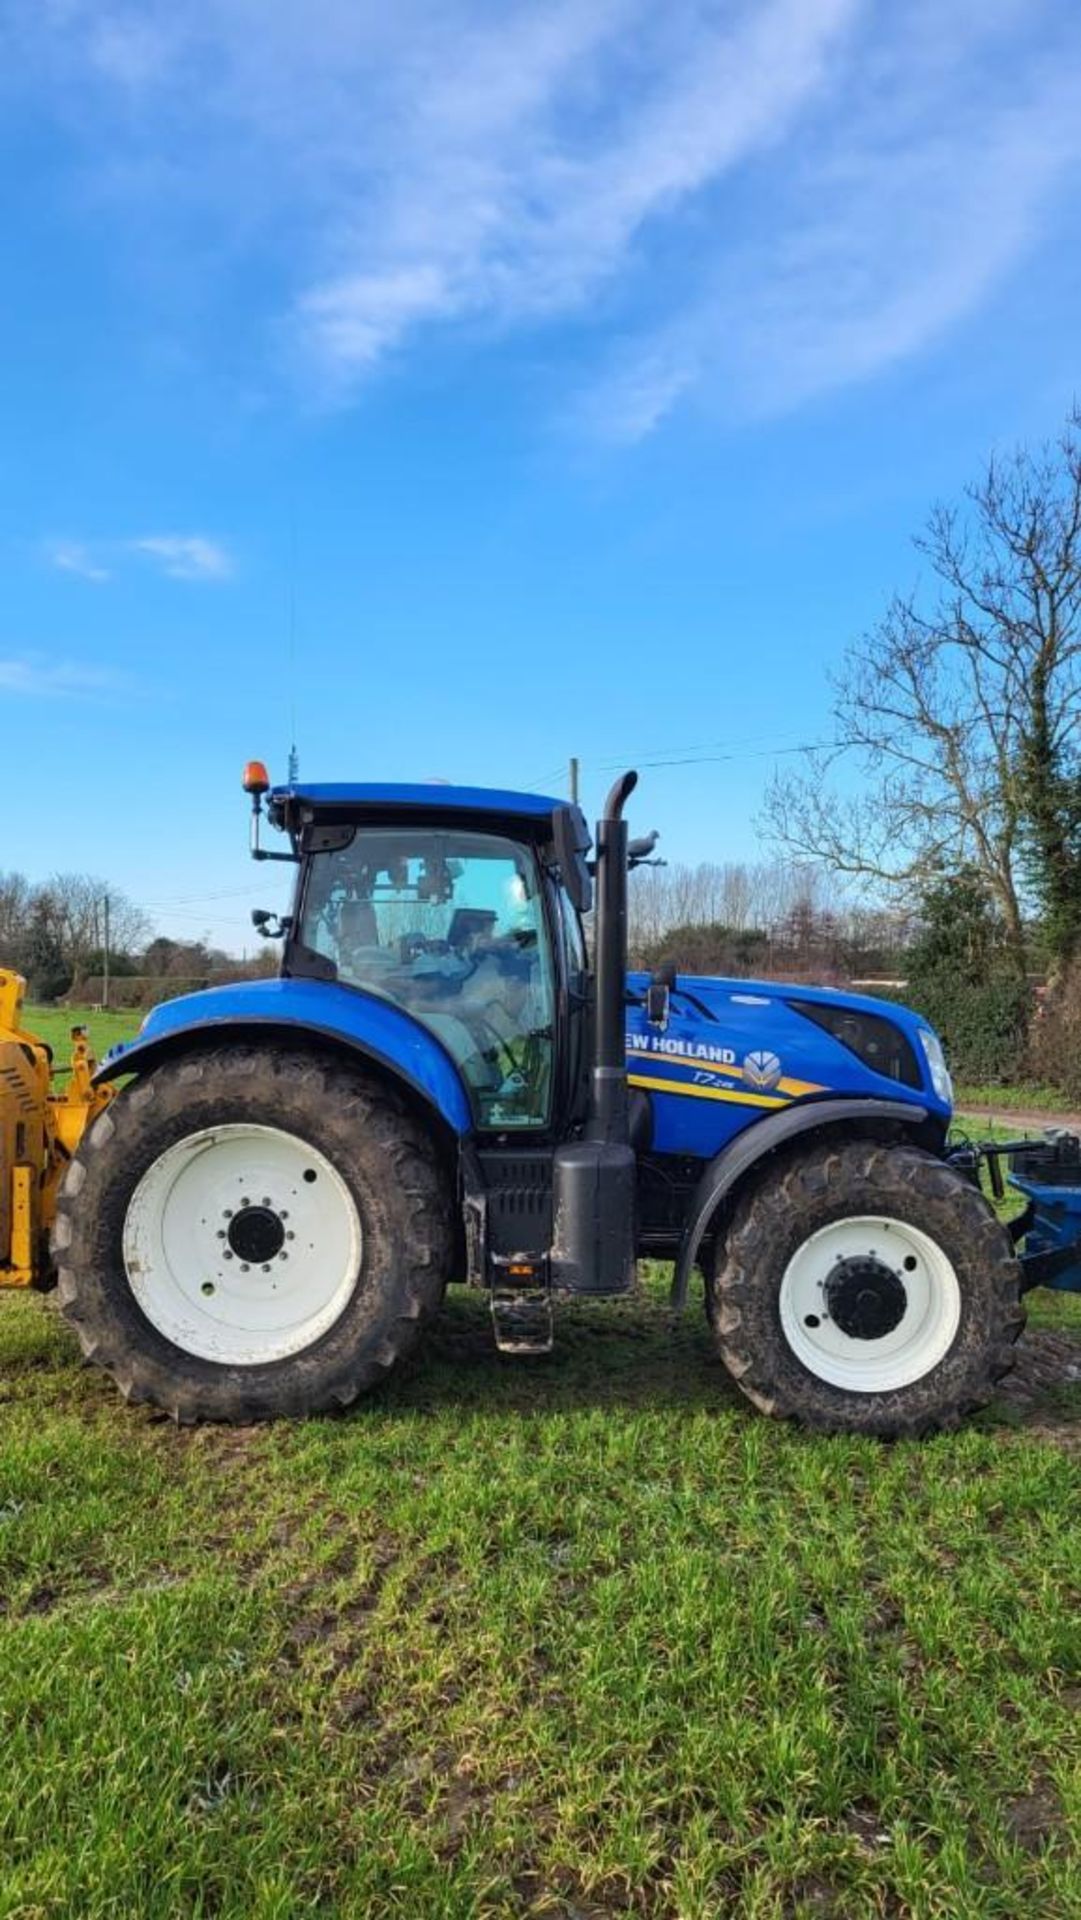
521,1302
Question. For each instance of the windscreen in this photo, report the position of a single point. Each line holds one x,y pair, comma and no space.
450,927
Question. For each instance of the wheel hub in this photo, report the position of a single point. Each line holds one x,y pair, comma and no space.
869,1303
242,1244
256,1234
865,1298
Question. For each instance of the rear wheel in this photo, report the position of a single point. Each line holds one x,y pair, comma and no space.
866,1288
247,1233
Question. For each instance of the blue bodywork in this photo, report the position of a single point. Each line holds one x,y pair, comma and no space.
726,1058
394,796
734,1051
357,1020
1056,1224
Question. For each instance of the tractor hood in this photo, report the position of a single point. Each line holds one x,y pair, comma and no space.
768,1043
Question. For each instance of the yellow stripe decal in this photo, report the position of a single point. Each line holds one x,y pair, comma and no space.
794,1088
705,1093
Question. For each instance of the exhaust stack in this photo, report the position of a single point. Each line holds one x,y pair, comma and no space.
594,1180
608,1101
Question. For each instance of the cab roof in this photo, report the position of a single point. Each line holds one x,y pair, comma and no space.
432,797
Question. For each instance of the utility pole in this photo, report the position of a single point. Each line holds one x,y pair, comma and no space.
105,954
574,781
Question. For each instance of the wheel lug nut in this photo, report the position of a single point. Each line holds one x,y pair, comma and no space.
267,1200
227,1255
244,1267
284,1214
290,1235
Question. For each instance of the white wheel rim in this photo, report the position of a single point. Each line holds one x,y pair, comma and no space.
190,1228
930,1309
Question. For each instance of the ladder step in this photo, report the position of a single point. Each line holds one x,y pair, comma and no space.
522,1319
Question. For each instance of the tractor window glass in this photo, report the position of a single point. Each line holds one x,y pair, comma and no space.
573,937
450,927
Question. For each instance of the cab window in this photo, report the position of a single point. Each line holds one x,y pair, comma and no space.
450,927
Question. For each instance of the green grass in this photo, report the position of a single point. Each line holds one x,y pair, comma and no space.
54,1024
582,1636
578,1637
1018,1097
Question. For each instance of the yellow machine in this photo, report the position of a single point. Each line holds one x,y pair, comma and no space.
39,1132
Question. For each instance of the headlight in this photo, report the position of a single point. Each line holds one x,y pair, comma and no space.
936,1061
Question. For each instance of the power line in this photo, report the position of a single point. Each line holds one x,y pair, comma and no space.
694,758
197,899
699,755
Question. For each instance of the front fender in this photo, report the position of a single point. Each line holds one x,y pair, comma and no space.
729,1167
346,1016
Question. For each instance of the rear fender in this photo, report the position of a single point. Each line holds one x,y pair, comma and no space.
722,1176
277,1012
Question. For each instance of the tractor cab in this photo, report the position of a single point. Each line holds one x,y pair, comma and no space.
454,906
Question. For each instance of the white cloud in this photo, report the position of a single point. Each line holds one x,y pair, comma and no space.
180,556
38,678
904,218
185,556
761,199
513,204
74,556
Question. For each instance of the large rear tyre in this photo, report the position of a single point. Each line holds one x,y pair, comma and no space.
865,1288
248,1233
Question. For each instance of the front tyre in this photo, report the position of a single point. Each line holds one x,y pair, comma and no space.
866,1289
248,1233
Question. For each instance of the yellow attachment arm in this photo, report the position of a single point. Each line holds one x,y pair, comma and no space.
39,1132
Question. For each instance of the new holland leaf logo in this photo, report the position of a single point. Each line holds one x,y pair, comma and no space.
761,1069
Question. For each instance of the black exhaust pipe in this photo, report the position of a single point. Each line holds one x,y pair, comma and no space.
608,1102
594,1180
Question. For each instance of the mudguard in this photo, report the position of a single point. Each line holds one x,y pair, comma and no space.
736,1159
349,1018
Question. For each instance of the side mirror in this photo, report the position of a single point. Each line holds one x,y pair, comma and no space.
271,926
571,836
659,994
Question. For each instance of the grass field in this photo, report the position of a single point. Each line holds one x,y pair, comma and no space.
54,1024
580,1637
1024,1096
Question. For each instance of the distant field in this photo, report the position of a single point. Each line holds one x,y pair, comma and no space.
54,1024
1024,1096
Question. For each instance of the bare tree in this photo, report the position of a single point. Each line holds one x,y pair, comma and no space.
961,707
14,913
80,904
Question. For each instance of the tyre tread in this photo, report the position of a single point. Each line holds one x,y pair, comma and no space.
376,1118
764,1368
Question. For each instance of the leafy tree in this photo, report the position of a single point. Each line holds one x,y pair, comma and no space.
962,977
48,973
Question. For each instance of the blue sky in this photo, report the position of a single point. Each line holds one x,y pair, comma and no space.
483,382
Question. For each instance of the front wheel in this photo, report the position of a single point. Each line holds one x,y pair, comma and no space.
247,1233
866,1288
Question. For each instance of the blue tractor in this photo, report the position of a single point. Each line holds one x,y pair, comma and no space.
440,1086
